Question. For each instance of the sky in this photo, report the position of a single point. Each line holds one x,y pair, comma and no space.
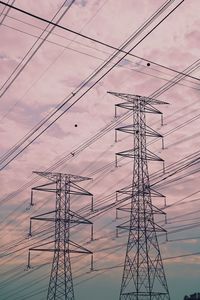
55,73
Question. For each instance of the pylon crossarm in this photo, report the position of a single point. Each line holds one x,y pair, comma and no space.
61,250
155,193
76,218
156,210
125,105
128,129
127,97
76,178
82,249
77,190
151,132
152,156
45,190
78,248
133,194
48,175
45,187
44,250
157,102
54,176
43,219
132,129
151,109
127,153
126,190
131,191
157,227
140,294
131,98
41,215
131,153
131,106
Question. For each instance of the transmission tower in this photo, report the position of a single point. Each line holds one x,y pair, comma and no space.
143,274
64,186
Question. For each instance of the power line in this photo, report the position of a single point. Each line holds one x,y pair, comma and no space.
60,54
76,151
7,11
166,169
94,40
99,58
107,268
35,47
157,176
90,47
13,149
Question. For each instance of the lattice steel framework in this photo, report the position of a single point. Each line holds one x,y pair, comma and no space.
143,274
64,186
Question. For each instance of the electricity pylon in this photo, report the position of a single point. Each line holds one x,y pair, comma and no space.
143,274
64,186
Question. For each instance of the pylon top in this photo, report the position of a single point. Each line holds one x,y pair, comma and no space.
132,98
53,176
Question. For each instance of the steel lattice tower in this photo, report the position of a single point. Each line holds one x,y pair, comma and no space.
143,273
64,186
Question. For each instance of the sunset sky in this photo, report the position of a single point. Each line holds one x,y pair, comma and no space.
37,76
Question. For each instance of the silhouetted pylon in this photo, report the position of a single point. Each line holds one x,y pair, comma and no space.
143,274
64,186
